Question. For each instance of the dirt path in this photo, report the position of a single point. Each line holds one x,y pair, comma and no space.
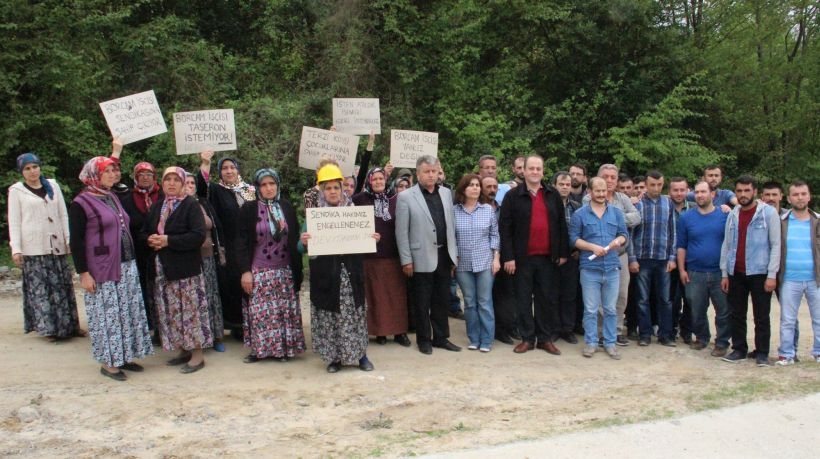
54,403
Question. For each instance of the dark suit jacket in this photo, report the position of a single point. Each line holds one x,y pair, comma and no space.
514,223
186,233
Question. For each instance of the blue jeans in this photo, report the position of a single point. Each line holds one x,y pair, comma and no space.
477,289
600,290
653,273
790,294
701,288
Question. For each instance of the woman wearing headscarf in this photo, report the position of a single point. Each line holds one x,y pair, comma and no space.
226,196
212,253
271,268
384,283
337,318
38,237
103,253
175,230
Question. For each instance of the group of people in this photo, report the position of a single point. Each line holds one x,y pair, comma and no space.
610,258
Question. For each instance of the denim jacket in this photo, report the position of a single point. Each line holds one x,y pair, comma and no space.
586,225
762,242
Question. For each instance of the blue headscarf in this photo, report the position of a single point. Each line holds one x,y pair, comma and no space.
276,219
29,158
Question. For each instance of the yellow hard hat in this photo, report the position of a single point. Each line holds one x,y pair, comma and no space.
329,172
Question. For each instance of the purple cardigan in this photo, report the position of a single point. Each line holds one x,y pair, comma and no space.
102,237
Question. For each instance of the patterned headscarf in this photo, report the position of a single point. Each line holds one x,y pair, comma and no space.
276,219
143,199
92,170
29,158
244,192
381,202
171,202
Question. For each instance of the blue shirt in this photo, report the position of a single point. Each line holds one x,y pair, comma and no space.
476,237
654,238
799,258
701,236
721,197
586,225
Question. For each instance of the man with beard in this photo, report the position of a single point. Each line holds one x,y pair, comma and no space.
681,311
772,195
699,237
749,262
799,271
625,185
725,199
578,177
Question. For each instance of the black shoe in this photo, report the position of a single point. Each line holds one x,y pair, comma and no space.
621,340
365,364
515,335
735,357
381,340
600,342
667,342
334,367
762,360
426,348
643,342
447,345
505,339
131,366
578,331
179,360
687,339
118,376
569,337
250,358
402,340
284,358
192,369
456,314
633,335
752,354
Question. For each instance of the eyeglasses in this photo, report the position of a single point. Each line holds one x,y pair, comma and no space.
145,174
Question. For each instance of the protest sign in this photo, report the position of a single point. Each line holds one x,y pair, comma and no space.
407,146
204,130
134,117
318,144
340,230
357,116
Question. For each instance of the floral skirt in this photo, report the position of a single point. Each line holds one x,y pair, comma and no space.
214,302
182,309
273,317
340,336
49,305
116,319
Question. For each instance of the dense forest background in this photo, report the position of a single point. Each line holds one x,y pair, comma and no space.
673,84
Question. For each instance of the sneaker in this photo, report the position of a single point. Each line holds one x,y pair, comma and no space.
613,353
643,342
621,340
472,347
718,351
485,349
735,357
667,342
588,351
762,360
784,361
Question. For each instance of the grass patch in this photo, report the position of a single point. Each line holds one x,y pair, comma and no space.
5,256
380,422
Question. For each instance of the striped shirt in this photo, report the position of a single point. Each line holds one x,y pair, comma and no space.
476,237
654,238
799,257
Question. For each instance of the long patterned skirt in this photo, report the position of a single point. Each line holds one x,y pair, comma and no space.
340,336
214,302
116,319
49,305
385,289
273,317
182,308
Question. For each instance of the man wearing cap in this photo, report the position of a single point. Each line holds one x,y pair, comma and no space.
426,238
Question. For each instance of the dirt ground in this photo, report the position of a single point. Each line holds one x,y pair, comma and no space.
54,402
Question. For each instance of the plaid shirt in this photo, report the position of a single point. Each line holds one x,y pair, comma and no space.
476,237
654,238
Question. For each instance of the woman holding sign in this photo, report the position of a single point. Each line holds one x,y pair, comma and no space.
384,282
103,254
337,317
38,236
226,197
271,268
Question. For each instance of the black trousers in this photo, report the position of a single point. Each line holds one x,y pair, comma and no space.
504,304
741,287
535,278
565,317
681,310
431,297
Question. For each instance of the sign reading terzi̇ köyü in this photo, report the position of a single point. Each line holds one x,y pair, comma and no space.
318,144
340,230
134,117
357,116
198,131
407,146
